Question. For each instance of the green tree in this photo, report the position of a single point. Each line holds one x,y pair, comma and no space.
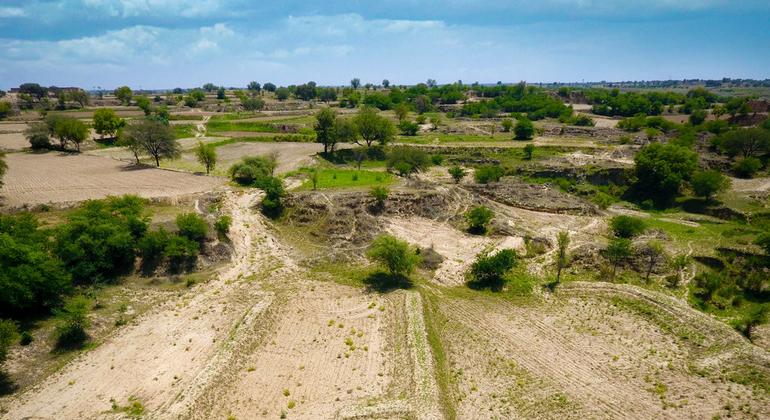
524,129
254,87
207,156
627,226
507,125
282,93
617,252
653,251
5,109
355,83
396,255
70,130
402,111
253,104
748,142
708,183
528,150
660,170
489,270
562,256
144,104
192,227
152,137
124,94
457,173
324,128
698,116
746,167
373,127
107,122
478,219
345,131
221,93
408,128
407,160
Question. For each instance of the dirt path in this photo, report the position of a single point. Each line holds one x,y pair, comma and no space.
200,128
167,352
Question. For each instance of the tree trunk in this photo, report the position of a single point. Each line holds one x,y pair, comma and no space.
157,161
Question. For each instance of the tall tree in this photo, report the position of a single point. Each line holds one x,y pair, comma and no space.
207,156
152,137
124,94
373,127
355,83
324,128
107,122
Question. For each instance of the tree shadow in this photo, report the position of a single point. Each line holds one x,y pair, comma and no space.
495,285
383,282
7,386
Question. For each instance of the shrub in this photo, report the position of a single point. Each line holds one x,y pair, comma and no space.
71,333
746,167
380,194
698,116
524,129
437,159
528,151
457,173
406,160
252,170
582,120
507,125
253,104
272,206
408,128
37,135
192,226
478,218
181,252
489,270
707,183
661,169
396,255
617,252
627,226
152,248
222,225
488,173
98,242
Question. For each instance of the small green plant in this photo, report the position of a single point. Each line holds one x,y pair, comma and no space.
192,226
222,225
507,125
380,194
396,255
529,150
617,252
524,130
457,173
437,159
478,219
70,332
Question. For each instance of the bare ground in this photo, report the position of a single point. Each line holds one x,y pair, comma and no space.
34,179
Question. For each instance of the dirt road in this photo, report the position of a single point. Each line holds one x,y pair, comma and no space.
166,351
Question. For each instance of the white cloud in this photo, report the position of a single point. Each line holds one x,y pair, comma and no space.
11,12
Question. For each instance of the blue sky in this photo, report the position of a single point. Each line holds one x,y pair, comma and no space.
169,43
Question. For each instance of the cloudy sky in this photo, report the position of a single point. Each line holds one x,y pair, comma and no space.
169,43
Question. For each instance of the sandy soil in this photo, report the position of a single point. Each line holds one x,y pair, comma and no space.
306,359
750,185
459,248
291,156
13,141
576,358
34,179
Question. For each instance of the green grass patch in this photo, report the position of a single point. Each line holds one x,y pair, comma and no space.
329,178
182,131
278,138
177,117
215,126
235,116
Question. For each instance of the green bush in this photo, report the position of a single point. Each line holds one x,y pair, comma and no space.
252,170
627,226
73,321
660,171
396,255
478,218
488,173
528,151
8,335
272,206
746,167
698,116
32,280
380,194
489,270
457,173
708,183
98,242
406,160
222,225
524,129
192,226
408,128
152,249
437,159
182,253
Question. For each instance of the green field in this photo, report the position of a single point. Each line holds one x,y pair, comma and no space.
346,178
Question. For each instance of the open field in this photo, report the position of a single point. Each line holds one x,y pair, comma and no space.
54,178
